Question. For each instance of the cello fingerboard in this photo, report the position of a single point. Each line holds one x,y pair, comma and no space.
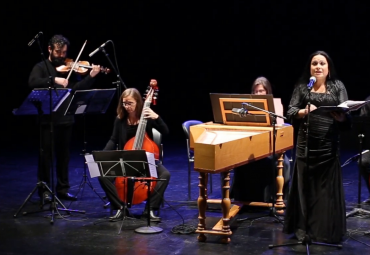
139,138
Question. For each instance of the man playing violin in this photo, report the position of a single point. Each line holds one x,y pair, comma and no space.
39,78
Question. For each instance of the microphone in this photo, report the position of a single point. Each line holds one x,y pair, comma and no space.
240,111
312,81
98,49
34,38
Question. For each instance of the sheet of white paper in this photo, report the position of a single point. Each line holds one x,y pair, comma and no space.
81,109
152,166
92,166
351,103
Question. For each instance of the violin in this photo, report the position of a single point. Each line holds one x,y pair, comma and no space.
141,141
81,67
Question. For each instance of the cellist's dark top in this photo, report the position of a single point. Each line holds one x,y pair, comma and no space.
131,131
124,131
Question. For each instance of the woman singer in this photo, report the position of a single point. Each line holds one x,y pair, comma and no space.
316,206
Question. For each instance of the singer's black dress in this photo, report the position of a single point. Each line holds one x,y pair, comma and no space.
316,204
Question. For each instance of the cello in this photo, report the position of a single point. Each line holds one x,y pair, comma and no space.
140,141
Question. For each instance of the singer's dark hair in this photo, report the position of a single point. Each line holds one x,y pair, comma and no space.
59,40
305,77
264,82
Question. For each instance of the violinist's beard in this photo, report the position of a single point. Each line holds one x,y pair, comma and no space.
57,61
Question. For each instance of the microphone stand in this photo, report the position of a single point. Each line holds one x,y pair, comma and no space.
273,116
307,241
117,83
149,229
51,124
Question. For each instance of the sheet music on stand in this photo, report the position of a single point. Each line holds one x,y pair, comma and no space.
347,106
222,105
94,101
134,163
38,101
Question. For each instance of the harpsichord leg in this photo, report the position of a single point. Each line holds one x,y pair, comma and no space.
202,205
225,205
279,184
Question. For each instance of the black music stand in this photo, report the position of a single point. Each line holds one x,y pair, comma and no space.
38,103
89,102
361,124
128,163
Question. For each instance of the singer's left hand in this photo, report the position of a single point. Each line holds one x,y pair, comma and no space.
338,116
148,113
95,70
312,107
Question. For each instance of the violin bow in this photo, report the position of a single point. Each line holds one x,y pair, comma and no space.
75,62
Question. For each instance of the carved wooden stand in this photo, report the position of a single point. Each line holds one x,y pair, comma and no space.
223,226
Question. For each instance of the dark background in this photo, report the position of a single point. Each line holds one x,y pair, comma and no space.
192,49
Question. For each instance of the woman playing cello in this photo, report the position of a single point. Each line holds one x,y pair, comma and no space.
129,111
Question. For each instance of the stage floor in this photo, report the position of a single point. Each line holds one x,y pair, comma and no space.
91,233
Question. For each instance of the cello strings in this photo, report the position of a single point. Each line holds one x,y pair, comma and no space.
138,143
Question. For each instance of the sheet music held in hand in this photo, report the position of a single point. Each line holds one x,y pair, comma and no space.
346,106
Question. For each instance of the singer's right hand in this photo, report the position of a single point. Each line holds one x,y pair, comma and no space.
61,81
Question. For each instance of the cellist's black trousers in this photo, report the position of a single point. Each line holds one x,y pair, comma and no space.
107,184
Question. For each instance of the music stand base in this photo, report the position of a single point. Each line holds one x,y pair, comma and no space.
85,180
148,230
357,210
272,213
53,205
